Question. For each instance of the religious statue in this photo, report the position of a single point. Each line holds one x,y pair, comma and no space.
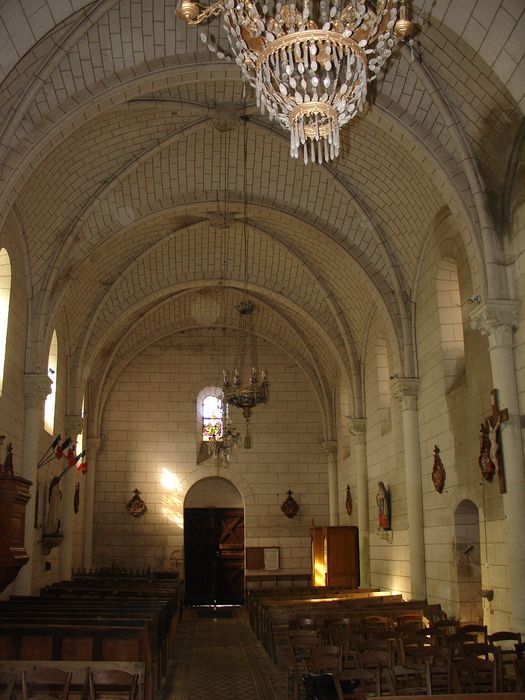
383,505
348,503
438,472
487,466
54,508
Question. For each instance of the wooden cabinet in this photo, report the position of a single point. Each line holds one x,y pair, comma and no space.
14,495
335,556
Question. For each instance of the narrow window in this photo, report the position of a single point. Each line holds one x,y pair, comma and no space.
52,370
5,295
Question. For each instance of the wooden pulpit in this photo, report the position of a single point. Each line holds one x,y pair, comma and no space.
14,495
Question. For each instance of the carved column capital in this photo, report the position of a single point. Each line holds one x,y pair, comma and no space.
497,318
330,447
36,388
73,425
357,428
405,389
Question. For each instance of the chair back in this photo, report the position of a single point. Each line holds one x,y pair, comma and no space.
302,623
46,682
479,630
475,675
7,685
519,666
113,683
326,658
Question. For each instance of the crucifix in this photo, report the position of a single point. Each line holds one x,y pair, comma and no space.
493,423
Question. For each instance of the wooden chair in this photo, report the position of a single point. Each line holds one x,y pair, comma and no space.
505,642
113,684
369,683
7,685
413,679
325,658
378,662
386,640
479,630
44,683
302,623
375,622
409,622
474,675
300,645
444,628
519,667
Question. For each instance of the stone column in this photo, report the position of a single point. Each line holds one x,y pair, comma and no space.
330,447
405,390
358,445
497,319
36,388
72,427
92,446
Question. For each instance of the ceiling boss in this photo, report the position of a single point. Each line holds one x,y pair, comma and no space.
309,62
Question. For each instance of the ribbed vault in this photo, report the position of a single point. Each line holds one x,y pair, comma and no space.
122,161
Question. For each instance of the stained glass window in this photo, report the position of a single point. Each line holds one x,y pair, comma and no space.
211,418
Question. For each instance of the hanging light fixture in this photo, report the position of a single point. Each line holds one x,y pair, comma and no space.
223,442
245,390
248,387
309,61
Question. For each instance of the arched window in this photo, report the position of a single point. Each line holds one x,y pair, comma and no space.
5,295
52,370
451,323
211,418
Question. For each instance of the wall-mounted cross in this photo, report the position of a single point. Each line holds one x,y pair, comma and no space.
493,423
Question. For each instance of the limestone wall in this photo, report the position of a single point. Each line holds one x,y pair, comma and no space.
151,439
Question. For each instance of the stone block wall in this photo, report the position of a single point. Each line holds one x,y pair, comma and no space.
151,440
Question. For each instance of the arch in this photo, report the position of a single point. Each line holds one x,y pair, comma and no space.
218,491
5,298
214,543
236,478
468,561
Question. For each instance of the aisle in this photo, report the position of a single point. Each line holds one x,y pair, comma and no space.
220,659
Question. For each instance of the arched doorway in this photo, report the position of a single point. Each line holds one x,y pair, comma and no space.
214,543
468,562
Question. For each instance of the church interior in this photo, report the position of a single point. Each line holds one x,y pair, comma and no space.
218,361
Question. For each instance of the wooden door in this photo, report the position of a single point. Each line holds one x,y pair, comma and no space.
214,556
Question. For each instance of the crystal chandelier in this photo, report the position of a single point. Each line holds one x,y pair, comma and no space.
309,61
245,390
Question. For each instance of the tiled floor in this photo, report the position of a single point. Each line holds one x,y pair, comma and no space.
220,659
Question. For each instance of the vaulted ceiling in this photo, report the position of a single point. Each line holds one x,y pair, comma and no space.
122,145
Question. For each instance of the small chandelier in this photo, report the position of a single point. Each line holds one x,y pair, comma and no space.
245,390
309,61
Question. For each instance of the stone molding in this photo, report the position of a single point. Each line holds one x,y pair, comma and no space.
405,390
36,388
496,318
357,428
330,447
73,425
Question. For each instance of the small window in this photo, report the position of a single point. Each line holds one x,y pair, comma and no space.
211,418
